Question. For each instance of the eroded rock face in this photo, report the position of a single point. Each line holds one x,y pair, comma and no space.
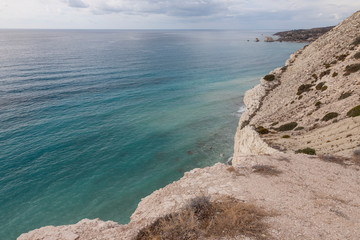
248,141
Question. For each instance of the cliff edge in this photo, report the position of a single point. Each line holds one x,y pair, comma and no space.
313,100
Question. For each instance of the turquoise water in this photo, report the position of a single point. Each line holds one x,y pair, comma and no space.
92,121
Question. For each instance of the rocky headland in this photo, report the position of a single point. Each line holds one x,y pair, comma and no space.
302,35
311,105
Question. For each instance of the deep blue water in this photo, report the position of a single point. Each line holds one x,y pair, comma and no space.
92,121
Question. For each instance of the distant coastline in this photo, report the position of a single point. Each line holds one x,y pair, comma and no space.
302,35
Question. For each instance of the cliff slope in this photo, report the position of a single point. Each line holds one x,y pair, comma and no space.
314,91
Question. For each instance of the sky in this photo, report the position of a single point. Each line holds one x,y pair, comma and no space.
174,14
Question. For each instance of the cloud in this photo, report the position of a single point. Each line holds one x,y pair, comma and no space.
77,4
177,8
210,8
249,14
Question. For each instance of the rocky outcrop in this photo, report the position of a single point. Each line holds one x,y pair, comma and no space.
302,35
248,141
268,39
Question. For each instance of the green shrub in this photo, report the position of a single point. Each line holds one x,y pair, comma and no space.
324,88
309,151
357,55
333,62
324,73
354,112
287,127
304,88
286,136
345,95
269,77
244,124
274,123
317,104
327,65
351,69
299,128
329,116
284,68
356,41
320,85
335,74
261,130
342,57
315,76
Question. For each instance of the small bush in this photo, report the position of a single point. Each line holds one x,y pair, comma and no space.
333,62
333,159
274,123
202,219
329,116
319,85
351,69
287,127
286,136
342,57
266,170
345,95
356,156
315,76
309,151
334,74
261,130
324,88
356,41
357,55
327,65
354,112
284,68
304,88
269,77
317,104
324,73
299,128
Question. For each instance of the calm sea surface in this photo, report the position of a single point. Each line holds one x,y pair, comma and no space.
93,121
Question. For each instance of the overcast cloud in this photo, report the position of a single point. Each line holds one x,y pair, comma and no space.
234,14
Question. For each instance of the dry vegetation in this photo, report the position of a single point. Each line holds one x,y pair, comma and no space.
334,159
356,157
266,170
202,218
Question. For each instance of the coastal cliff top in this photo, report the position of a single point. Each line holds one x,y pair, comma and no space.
305,201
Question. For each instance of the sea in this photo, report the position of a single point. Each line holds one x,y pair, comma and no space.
92,121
